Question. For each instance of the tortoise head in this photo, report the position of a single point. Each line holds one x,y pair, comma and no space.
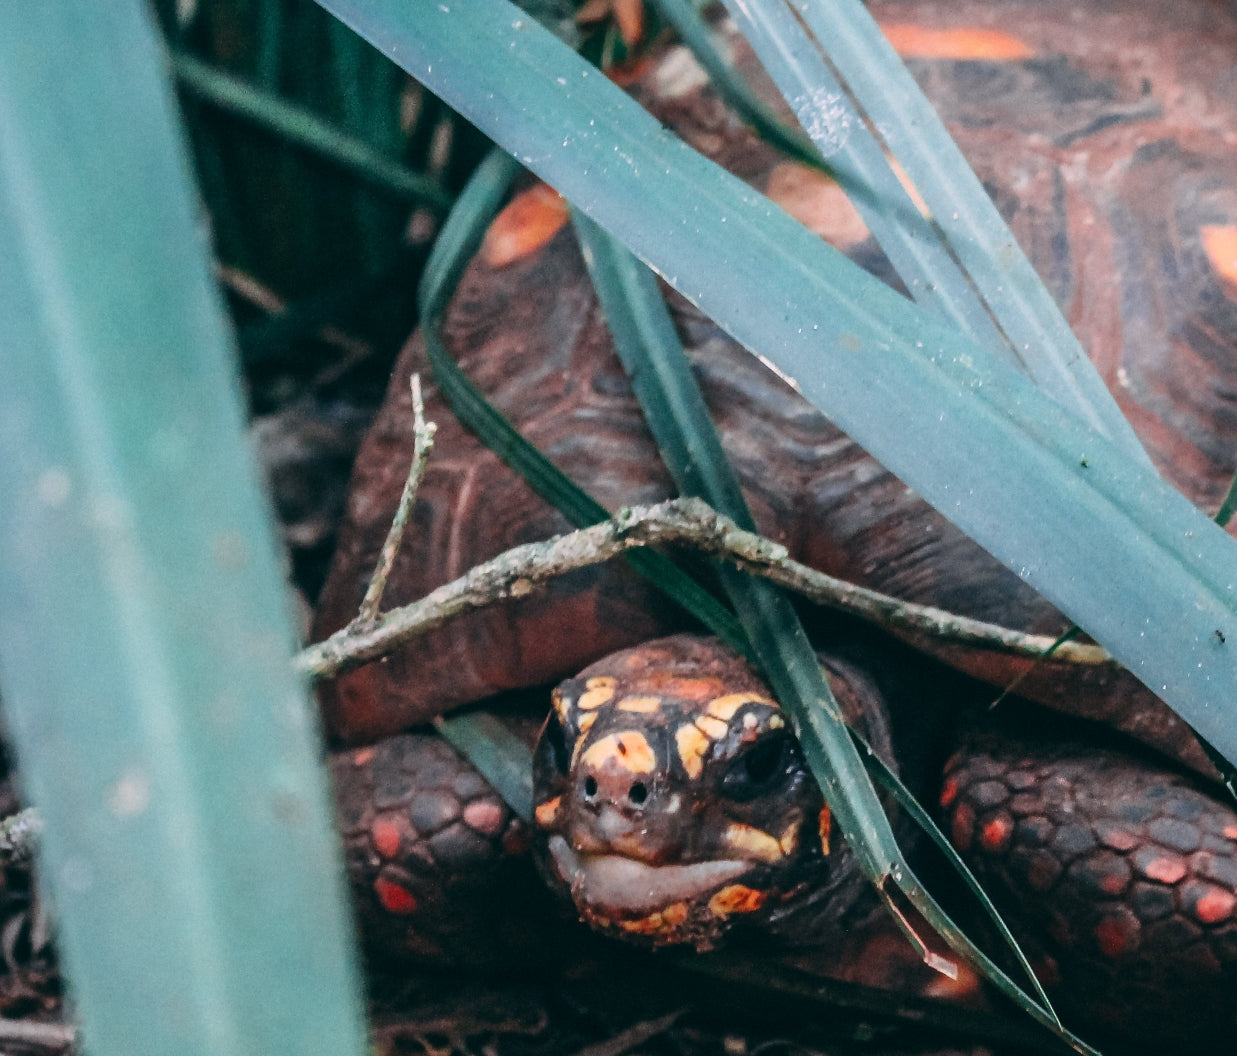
672,797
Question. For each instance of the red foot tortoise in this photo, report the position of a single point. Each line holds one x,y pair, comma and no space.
672,804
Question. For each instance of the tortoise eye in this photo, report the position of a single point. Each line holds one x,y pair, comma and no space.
552,750
764,765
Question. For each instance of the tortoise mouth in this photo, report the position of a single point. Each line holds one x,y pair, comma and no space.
613,885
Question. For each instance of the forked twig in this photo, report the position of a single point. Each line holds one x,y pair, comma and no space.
681,522
422,444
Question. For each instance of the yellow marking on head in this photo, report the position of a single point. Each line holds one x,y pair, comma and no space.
643,705
714,729
586,722
725,707
790,838
562,706
737,898
597,691
1220,245
547,812
826,828
776,722
628,750
753,841
692,744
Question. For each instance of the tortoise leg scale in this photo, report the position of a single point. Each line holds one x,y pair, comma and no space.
437,862
1121,875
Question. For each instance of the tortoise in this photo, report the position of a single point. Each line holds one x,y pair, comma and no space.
1107,137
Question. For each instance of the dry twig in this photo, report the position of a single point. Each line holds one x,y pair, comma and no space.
681,522
423,442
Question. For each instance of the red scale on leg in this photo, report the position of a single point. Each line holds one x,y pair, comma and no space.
996,833
1118,934
962,830
395,898
1208,904
385,834
1156,864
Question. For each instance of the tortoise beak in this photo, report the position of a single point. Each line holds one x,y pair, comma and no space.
615,886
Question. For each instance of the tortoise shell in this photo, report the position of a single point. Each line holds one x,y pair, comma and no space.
1106,137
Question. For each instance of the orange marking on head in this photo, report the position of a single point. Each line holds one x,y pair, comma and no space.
1113,937
1230,831
753,841
724,708
586,722
1216,905
628,750
1166,870
597,691
967,43
697,690
825,828
394,897
547,812
385,834
1220,245
642,705
675,914
996,833
737,898
527,223
949,792
362,757
712,728
663,922
691,744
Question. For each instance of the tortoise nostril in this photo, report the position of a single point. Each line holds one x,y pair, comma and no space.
638,793
590,787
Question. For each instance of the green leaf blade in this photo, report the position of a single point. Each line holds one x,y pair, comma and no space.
145,637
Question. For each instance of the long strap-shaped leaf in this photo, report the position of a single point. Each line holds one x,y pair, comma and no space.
990,290
144,632
1060,505
988,252
920,257
650,350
